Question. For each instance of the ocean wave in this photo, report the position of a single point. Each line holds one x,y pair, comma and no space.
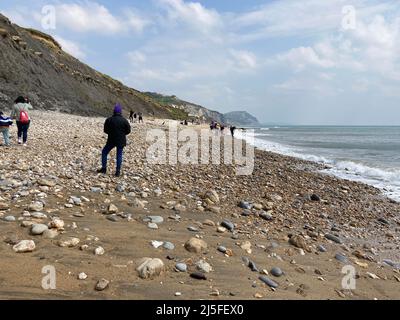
384,179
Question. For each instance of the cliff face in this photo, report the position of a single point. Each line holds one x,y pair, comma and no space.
241,118
33,64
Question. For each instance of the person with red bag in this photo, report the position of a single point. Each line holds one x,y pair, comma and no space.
20,114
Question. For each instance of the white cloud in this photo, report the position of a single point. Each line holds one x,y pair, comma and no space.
302,57
71,47
90,16
192,14
136,58
244,59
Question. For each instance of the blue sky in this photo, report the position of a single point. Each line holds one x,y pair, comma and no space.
301,62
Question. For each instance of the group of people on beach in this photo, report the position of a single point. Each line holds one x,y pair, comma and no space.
19,113
221,127
116,127
133,117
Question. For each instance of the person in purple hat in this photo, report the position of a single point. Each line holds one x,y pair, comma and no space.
117,128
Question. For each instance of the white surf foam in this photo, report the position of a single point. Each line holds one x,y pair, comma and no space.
386,180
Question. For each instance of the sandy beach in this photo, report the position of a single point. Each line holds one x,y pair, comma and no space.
300,228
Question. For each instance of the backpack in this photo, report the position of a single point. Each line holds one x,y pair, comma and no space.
23,117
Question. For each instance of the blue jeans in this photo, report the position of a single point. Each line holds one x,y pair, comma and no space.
23,131
105,153
6,135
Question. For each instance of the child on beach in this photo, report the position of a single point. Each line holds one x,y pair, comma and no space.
5,123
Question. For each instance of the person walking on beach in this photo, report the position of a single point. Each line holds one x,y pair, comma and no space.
233,128
140,117
20,114
117,128
131,113
5,123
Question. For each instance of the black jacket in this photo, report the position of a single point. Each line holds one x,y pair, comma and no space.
117,128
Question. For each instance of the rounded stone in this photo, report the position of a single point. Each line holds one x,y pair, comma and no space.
228,225
152,225
340,257
245,205
182,267
156,219
222,249
269,282
276,272
168,245
50,234
9,219
38,229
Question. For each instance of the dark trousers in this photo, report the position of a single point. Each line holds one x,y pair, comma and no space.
23,131
107,149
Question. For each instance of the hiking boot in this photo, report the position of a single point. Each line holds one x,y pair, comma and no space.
19,141
102,170
118,174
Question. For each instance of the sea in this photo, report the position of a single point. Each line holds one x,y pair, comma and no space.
366,154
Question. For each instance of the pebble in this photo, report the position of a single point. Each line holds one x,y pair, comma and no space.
222,249
38,215
195,245
156,244
99,251
383,221
56,223
112,218
228,225
221,229
246,213
50,234
152,225
168,245
102,285
333,238
209,223
321,248
24,246
193,229
315,197
36,206
71,242
198,276
38,229
299,242
268,282
203,266
182,267
149,267
245,205
340,257
391,263
277,272
112,209
266,216
156,219
9,219
82,276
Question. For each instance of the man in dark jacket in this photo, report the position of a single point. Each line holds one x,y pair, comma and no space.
117,128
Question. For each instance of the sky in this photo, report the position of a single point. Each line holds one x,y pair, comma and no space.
333,62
